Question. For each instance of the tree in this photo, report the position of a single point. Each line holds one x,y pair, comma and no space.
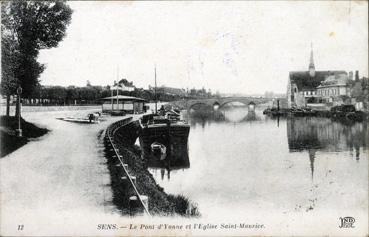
8,66
26,28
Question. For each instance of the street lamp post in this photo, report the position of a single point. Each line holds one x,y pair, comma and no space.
19,130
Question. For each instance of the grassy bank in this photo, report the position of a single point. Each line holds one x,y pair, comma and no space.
9,142
160,203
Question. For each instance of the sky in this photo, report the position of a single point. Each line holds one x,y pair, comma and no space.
231,47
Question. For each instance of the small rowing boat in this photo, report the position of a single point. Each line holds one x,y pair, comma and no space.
159,149
79,120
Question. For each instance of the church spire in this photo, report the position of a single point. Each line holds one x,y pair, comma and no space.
311,64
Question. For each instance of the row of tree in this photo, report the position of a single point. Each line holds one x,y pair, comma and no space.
71,95
26,28
58,95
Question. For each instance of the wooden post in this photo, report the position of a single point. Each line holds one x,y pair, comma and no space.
18,112
124,180
135,206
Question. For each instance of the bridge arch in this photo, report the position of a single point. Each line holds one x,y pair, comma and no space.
232,101
193,106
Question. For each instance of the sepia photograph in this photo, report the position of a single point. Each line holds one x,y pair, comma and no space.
184,118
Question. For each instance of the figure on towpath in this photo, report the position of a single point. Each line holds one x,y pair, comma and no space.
91,118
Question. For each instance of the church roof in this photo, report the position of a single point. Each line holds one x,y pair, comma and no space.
304,81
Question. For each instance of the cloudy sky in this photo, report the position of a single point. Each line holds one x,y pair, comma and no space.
238,47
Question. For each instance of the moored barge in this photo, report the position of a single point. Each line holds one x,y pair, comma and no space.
173,134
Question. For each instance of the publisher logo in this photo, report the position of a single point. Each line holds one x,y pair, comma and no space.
347,222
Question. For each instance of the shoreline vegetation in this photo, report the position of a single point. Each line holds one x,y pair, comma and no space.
9,140
160,203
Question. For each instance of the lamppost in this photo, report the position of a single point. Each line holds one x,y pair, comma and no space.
19,130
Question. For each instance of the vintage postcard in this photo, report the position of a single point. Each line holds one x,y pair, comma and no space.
184,118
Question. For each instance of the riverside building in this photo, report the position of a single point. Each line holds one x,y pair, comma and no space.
314,88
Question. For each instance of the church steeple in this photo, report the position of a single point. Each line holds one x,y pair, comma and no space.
311,64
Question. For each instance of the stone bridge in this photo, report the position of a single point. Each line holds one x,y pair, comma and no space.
220,102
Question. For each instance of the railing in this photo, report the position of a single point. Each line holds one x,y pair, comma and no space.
110,131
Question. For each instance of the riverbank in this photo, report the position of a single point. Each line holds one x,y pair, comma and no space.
160,203
50,108
9,141
338,113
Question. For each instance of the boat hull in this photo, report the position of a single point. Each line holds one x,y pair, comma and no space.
79,120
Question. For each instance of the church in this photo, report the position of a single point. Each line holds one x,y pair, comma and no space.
304,88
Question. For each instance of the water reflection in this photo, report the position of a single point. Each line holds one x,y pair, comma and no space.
240,114
272,164
179,159
175,160
251,116
226,114
322,134
311,134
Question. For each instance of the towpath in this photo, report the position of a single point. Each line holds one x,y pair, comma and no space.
58,178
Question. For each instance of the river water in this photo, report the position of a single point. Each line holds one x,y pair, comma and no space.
294,176
247,164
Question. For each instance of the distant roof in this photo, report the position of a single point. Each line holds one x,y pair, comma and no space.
303,80
124,97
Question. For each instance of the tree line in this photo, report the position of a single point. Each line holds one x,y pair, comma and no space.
72,95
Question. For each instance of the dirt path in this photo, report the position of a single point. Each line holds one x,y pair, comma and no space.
60,177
